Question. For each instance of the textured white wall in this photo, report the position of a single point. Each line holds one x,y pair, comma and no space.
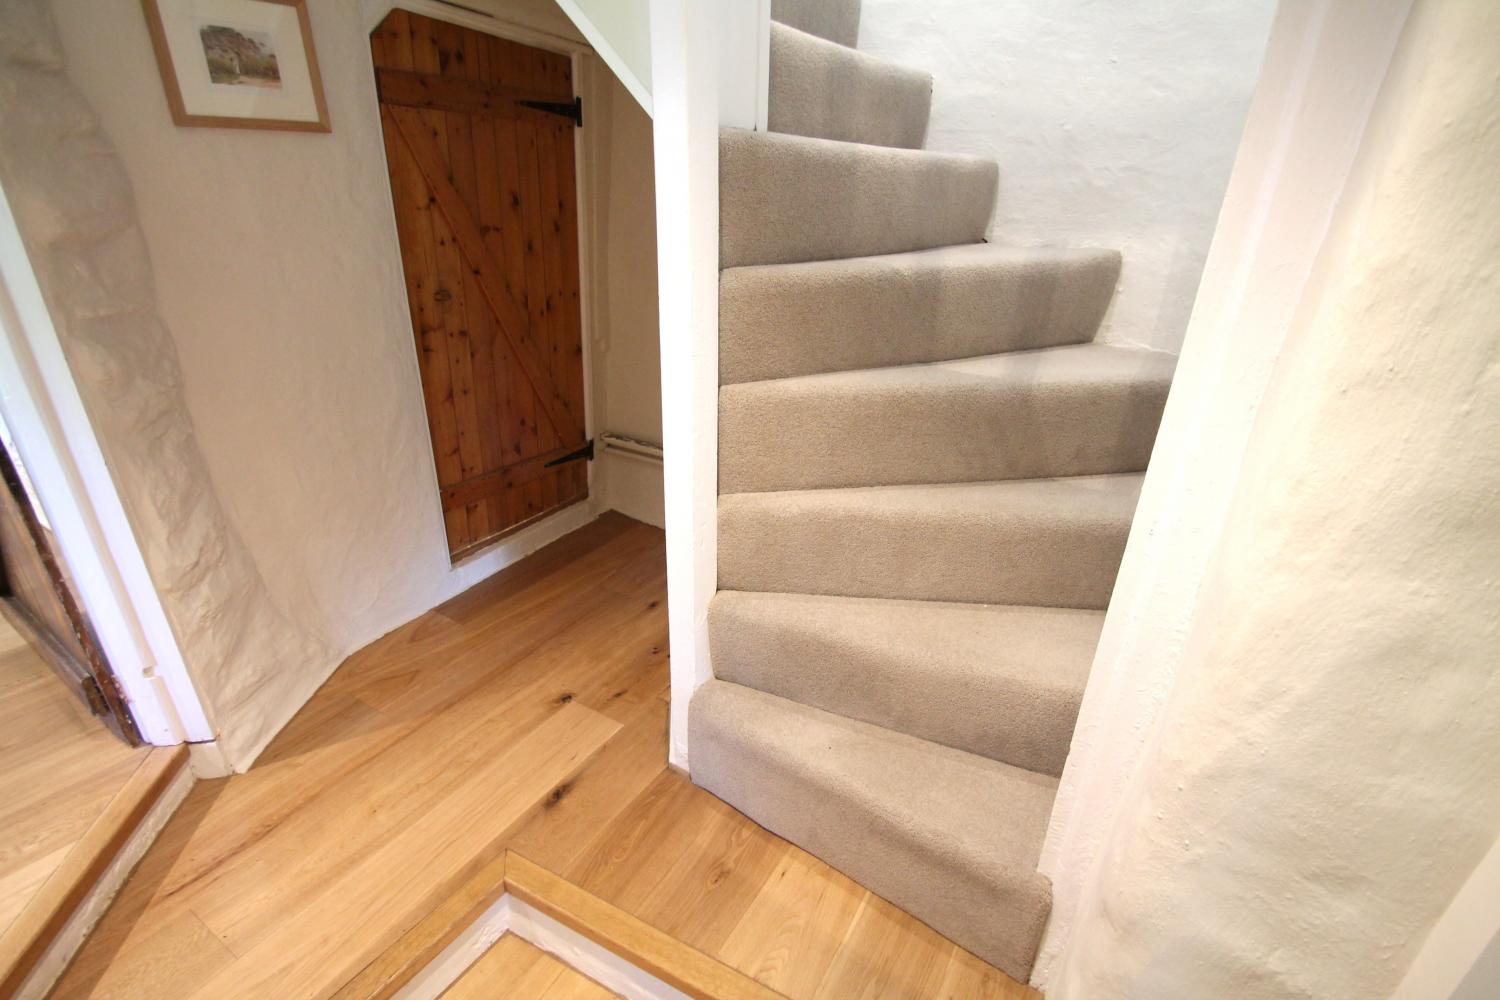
1325,64
278,275
1321,781
1114,124
75,214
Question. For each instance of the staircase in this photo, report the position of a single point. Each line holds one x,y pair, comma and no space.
927,471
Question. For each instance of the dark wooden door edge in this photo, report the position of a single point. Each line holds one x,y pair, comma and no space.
96,680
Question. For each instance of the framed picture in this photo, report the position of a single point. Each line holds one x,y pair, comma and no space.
238,63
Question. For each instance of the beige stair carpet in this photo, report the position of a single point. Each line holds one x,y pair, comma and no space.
917,667
927,473
780,320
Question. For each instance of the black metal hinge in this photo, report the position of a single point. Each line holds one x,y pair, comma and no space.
572,111
586,452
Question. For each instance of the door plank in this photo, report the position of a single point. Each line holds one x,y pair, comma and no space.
421,141
507,62
474,173
431,51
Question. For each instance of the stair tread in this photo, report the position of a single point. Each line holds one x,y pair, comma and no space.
1080,409
1053,542
937,258
957,500
917,667
845,149
834,20
823,89
786,198
1103,363
781,320
947,835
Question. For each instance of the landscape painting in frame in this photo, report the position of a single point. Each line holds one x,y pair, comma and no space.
238,63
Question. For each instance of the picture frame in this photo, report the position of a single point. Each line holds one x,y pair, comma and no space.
238,63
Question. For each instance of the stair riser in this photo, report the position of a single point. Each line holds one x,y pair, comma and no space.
997,556
926,684
835,20
821,89
802,319
774,439
784,199
997,915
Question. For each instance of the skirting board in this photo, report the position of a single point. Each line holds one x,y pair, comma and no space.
615,949
54,961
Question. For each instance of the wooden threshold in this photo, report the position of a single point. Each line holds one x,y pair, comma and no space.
27,939
665,957
678,964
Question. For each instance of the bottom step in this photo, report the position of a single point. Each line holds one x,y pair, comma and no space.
950,837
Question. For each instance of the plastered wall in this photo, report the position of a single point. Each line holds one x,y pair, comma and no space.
1320,782
74,209
1114,124
277,274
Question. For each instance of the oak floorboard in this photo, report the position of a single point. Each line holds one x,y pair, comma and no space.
400,782
59,769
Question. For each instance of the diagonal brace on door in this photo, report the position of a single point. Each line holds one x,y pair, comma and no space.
511,319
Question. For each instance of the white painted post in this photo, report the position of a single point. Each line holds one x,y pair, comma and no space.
685,101
744,35
709,69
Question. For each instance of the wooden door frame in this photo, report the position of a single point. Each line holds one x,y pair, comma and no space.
376,13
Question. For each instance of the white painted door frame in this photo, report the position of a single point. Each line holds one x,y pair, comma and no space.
61,455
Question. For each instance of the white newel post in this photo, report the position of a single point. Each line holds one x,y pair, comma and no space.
708,67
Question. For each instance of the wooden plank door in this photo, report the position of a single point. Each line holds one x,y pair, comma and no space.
486,211
36,599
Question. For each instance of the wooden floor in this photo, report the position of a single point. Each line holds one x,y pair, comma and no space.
529,713
517,968
59,769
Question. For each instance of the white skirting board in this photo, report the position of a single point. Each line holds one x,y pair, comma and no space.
510,914
55,961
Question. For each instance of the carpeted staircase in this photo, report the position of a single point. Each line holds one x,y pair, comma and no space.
927,472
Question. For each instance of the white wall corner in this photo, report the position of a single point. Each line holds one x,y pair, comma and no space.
1323,69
